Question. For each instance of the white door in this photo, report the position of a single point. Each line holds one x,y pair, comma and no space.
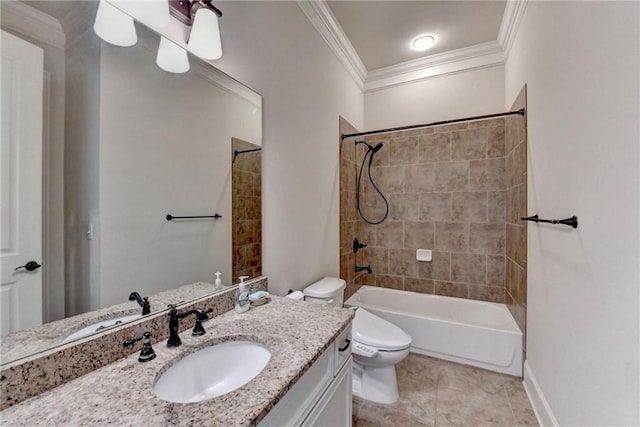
21,184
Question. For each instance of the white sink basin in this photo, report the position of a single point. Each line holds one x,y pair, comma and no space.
212,371
99,326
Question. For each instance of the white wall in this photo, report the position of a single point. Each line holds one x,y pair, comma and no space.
274,49
580,61
453,96
81,204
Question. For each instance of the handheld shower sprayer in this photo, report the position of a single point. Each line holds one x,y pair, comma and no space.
363,142
371,151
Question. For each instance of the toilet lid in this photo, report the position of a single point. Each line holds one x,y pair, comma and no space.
371,330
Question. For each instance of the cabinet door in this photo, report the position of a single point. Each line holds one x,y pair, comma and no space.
334,408
299,401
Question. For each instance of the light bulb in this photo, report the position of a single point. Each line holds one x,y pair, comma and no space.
114,26
204,39
423,42
171,57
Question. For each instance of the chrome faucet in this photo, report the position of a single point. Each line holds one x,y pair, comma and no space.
174,317
143,302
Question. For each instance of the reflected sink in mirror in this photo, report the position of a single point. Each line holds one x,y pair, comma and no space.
100,326
52,334
212,371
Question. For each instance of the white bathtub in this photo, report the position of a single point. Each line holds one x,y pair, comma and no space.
477,333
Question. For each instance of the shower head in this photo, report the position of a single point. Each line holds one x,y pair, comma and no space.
373,150
377,148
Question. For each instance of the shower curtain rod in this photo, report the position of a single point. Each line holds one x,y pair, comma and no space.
235,153
444,122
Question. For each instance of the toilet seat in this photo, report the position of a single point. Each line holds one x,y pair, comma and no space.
375,332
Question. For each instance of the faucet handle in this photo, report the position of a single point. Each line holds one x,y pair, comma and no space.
132,341
198,329
147,353
146,306
172,310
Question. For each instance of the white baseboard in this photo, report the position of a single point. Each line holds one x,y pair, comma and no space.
538,401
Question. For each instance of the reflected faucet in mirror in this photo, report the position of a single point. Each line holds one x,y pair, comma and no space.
143,302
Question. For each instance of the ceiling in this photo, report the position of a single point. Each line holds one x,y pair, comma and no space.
56,9
380,31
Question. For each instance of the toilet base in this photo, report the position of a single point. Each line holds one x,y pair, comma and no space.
375,384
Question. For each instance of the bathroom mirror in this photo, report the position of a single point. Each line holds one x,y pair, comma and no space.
125,144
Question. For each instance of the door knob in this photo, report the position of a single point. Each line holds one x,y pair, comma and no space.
30,266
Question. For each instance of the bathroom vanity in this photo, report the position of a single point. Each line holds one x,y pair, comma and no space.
307,380
322,396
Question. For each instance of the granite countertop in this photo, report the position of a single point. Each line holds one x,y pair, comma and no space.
52,334
121,394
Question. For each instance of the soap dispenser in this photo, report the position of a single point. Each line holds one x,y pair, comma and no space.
242,296
218,281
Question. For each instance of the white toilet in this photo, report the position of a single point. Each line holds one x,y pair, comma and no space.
377,345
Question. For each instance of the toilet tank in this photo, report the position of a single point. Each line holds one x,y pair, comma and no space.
329,290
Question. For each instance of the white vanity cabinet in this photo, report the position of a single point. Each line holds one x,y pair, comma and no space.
322,396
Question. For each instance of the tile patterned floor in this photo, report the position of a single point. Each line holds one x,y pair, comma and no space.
434,392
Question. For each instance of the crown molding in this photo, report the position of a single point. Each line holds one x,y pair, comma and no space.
513,12
148,40
465,59
78,22
471,58
30,22
209,72
327,25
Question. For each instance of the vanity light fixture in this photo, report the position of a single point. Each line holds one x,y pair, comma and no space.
423,42
171,57
202,16
114,26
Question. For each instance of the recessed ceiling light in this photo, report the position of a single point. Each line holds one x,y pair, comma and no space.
423,42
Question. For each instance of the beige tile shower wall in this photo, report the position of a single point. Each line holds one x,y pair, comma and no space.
246,200
350,222
446,191
516,255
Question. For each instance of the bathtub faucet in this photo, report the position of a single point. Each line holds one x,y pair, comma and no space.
366,268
